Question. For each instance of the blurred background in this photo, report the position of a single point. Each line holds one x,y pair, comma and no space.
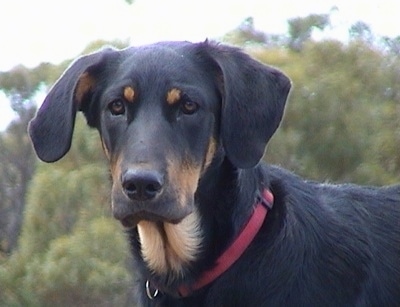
58,242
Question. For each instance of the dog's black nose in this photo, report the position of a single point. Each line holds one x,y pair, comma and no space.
142,184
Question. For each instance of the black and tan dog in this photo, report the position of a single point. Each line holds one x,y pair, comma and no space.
184,127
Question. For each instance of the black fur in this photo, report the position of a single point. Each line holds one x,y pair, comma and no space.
321,244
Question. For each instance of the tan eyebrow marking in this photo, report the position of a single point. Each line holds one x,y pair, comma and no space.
129,94
173,96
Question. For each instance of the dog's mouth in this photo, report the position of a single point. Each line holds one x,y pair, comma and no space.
132,220
164,209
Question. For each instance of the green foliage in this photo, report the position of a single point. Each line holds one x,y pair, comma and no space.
245,34
340,123
300,28
361,31
82,268
392,44
25,82
93,46
17,165
71,251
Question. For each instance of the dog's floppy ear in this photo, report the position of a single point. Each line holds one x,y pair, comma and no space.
254,97
51,129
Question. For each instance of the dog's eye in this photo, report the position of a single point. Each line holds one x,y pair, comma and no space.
189,107
116,107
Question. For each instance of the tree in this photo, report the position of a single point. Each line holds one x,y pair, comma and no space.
392,44
16,169
340,121
300,29
245,34
71,250
361,31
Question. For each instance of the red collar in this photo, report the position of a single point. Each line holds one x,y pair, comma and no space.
232,253
238,246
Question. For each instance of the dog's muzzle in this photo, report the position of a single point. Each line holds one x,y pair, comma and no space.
145,194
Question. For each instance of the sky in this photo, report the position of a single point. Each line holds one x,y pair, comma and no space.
38,31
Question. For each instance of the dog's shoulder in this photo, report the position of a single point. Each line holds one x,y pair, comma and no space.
332,233
347,215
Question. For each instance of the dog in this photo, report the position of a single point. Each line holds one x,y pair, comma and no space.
184,127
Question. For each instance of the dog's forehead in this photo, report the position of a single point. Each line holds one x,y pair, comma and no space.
163,69
158,58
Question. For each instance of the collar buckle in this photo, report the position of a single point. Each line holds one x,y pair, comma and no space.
151,293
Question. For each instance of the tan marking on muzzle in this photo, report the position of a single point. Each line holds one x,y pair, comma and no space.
85,84
105,149
212,148
184,178
115,167
169,247
129,94
173,96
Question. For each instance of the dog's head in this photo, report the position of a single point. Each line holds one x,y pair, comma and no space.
163,111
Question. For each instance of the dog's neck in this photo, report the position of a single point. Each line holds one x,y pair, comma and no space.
225,199
220,191
236,248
